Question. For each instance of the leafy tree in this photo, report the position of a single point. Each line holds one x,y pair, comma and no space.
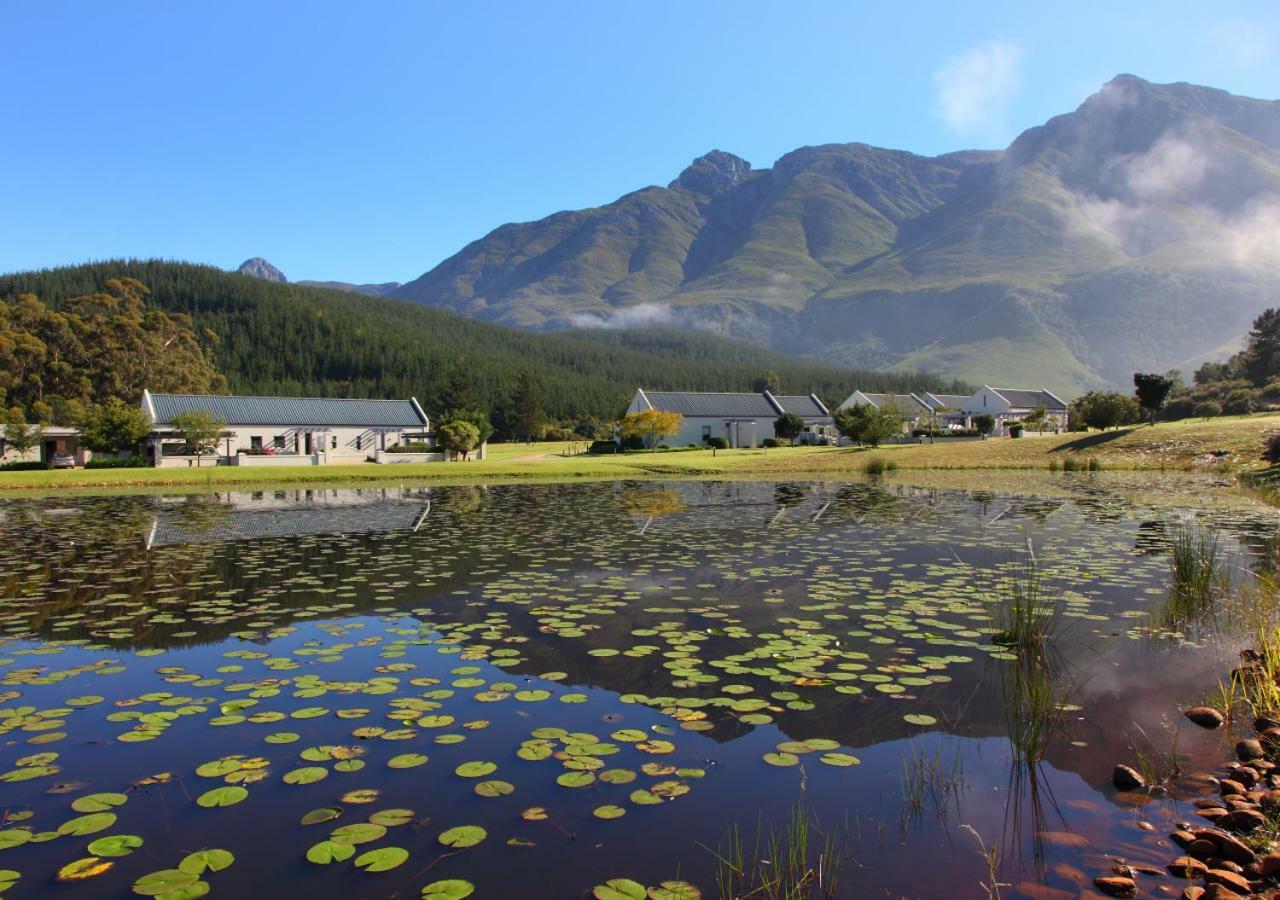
1262,353
788,426
1103,410
651,425
985,423
20,437
113,426
1238,403
97,347
1207,409
769,380
1152,391
1036,419
474,417
200,430
868,424
526,406
458,436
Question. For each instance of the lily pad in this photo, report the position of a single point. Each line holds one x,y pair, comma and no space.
462,836
381,859
449,889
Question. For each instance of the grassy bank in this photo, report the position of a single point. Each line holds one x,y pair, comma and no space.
1176,445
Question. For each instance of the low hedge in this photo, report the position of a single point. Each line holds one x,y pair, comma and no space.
24,466
116,462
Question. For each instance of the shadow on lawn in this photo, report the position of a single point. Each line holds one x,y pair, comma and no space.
1091,441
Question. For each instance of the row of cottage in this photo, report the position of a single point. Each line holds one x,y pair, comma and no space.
746,420
314,431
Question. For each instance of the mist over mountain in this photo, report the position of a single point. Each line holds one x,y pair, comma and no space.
1139,232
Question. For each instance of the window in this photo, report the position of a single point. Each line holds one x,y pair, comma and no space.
359,441
334,444
255,442
278,442
706,433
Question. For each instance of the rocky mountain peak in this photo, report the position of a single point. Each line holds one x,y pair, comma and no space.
257,267
713,173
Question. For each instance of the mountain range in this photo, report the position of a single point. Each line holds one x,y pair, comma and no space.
1139,232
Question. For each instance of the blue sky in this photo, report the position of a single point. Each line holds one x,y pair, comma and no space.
367,142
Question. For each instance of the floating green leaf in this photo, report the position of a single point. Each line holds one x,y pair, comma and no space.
462,836
449,889
381,859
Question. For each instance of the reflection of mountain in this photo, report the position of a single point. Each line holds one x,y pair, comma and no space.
278,514
757,584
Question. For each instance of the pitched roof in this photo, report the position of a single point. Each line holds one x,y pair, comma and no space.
904,402
688,403
1025,399
806,406
289,410
951,401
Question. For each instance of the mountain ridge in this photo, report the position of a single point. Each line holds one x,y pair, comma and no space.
1133,233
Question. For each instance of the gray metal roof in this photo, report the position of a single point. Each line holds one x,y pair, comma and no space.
688,403
906,403
291,410
804,406
951,401
1021,399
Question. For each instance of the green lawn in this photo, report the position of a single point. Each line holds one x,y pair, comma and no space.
1177,445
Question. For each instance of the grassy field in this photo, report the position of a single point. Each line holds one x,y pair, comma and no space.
1176,445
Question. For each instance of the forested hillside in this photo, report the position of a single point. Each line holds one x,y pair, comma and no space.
294,340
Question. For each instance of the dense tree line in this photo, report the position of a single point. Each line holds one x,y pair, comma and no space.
96,347
293,340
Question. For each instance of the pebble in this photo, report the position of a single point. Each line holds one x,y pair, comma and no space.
1205,716
1116,885
1128,779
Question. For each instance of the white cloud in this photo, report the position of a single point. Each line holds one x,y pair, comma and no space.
974,88
642,315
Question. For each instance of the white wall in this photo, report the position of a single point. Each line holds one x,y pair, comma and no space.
338,445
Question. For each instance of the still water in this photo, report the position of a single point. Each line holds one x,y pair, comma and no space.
525,691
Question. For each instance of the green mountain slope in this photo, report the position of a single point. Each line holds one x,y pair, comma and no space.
1137,232
297,340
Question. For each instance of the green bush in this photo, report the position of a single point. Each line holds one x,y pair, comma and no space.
717,443
117,462
604,447
771,442
24,466
633,442
1238,403
1206,409
878,466
1015,430
411,447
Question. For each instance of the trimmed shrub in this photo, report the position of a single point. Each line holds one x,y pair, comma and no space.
1181,408
1238,403
1206,409
717,443
1015,430
604,447
771,442
24,466
634,442
116,462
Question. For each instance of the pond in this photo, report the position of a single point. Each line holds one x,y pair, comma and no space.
529,690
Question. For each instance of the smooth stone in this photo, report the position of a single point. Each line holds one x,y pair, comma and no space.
1242,820
1116,886
1249,749
1205,716
1271,865
1228,879
1188,867
1229,846
1126,778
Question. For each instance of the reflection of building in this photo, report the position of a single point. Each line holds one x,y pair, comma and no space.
293,430
288,513
744,420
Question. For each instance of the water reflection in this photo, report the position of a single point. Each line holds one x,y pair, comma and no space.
735,621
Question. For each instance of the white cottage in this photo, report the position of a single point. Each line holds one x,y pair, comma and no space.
744,420
1009,405
912,409
285,430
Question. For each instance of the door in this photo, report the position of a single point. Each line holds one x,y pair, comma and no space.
307,441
